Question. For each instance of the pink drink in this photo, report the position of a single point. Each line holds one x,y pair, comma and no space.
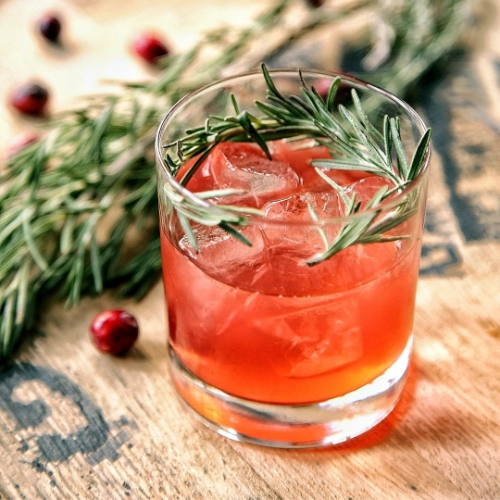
264,346
258,323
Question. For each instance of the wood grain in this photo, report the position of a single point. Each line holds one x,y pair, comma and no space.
78,424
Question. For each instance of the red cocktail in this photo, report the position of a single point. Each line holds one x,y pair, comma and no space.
272,339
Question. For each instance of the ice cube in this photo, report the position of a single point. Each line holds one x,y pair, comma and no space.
245,166
297,208
367,188
285,271
224,257
314,339
290,239
343,178
297,215
300,154
363,263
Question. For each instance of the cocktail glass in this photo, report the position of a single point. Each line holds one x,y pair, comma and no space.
265,347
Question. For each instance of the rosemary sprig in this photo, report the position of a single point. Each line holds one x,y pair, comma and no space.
353,141
70,203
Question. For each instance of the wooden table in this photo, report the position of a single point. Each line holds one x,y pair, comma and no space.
78,424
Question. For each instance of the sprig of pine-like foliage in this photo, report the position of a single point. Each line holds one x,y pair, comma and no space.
354,144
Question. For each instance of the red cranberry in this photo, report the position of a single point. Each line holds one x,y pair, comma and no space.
323,87
114,331
49,27
343,95
149,47
30,99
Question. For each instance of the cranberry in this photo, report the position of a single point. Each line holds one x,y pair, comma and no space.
149,47
49,27
30,99
343,95
114,331
315,3
323,87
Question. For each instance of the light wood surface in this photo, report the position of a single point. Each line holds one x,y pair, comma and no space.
78,424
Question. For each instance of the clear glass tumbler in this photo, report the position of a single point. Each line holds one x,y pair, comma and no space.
290,291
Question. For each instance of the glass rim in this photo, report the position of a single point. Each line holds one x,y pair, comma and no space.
385,205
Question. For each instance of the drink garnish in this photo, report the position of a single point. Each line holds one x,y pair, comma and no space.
354,144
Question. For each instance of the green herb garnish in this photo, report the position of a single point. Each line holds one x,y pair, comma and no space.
353,141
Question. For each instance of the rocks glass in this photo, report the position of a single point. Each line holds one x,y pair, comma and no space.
271,342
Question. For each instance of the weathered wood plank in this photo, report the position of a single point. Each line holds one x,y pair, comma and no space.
77,424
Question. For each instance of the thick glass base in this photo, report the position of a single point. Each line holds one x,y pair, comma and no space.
293,426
